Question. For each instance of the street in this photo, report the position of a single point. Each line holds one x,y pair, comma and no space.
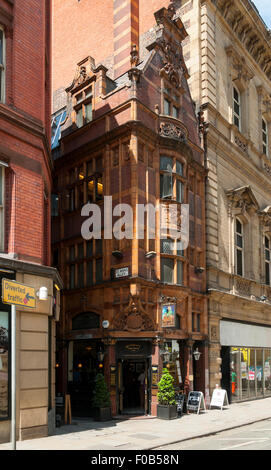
256,436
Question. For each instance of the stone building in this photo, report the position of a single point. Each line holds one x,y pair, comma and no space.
136,304
25,187
228,57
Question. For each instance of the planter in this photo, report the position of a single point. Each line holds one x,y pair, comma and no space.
167,411
103,414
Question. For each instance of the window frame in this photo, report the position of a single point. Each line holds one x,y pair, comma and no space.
175,178
80,105
238,248
177,257
236,115
264,132
267,262
3,68
173,100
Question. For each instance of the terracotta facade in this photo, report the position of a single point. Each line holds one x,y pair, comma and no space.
116,138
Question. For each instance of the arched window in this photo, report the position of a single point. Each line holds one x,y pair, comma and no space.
237,108
267,260
86,321
239,247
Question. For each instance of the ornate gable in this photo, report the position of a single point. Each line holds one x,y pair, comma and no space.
169,34
83,75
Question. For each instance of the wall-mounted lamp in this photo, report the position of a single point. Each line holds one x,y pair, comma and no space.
150,254
42,293
196,354
118,254
199,269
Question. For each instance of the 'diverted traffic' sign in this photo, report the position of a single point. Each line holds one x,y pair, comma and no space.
15,293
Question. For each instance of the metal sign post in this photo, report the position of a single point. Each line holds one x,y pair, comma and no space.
13,377
15,293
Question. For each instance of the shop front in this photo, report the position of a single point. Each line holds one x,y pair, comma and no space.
246,360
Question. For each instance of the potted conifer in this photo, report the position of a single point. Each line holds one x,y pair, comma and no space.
101,399
167,405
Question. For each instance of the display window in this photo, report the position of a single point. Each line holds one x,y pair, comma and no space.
250,373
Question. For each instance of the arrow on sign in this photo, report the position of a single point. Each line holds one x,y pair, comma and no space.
27,298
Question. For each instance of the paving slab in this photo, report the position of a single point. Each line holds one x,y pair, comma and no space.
144,433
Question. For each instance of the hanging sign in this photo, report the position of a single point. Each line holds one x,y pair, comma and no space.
168,315
195,402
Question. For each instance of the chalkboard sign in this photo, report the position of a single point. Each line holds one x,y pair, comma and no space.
180,399
195,402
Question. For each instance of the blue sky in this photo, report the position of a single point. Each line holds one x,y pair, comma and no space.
264,8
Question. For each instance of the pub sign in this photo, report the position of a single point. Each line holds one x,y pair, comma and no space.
168,315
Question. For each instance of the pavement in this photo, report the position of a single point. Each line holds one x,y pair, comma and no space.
147,433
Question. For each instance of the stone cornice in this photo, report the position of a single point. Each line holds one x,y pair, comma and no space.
246,25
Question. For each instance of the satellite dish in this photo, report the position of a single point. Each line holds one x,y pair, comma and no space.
105,324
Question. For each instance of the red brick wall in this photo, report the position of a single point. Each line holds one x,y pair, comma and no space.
86,28
25,129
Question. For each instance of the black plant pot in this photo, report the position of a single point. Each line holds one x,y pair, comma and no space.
167,411
102,414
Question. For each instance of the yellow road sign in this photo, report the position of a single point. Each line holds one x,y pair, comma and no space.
15,293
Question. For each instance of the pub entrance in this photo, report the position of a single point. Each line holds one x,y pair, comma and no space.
83,366
134,378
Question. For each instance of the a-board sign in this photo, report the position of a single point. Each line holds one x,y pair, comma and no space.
180,399
195,402
219,398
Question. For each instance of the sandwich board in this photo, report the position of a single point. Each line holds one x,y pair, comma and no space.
219,398
195,402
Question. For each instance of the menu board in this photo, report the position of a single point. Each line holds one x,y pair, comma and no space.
195,402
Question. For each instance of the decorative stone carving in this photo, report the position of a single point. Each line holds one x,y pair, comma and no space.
241,143
134,318
265,216
134,56
243,287
84,72
172,131
253,38
242,198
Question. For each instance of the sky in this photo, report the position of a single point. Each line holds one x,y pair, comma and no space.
264,8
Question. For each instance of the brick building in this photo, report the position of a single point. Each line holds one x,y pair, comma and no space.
25,187
129,132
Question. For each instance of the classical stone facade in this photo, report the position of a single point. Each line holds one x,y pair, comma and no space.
228,54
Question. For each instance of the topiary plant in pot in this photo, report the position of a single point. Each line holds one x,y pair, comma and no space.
101,399
167,405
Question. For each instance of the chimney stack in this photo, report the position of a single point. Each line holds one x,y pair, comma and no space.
126,33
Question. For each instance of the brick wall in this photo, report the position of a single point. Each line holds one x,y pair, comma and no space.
25,129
